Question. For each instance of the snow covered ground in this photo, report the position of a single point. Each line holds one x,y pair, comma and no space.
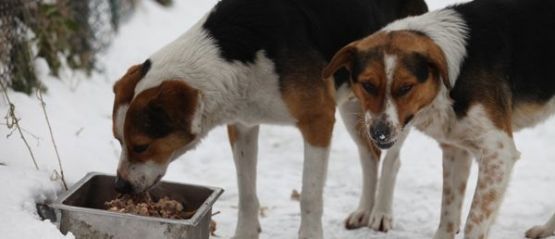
80,111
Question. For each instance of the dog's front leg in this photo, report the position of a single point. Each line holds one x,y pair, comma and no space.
244,143
381,218
369,156
456,168
317,136
498,156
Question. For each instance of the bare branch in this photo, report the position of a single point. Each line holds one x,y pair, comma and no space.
12,121
37,138
43,106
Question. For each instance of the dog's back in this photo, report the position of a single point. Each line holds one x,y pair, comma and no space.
294,31
512,41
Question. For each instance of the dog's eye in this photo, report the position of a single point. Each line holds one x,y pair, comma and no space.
140,148
369,87
404,90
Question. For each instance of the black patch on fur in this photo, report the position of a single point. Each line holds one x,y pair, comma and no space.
418,65
153,121
510,53
300,35
408,120
412,8
145,67
342,77
362,59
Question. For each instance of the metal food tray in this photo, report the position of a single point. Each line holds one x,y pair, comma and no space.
81,211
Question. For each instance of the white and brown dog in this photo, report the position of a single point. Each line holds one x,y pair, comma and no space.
469,76
246,63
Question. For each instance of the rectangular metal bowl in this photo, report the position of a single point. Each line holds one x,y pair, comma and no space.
81,211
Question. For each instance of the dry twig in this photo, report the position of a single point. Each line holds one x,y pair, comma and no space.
34,136
12,121
43,106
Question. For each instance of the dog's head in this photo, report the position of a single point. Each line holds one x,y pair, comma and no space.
153,126
394,75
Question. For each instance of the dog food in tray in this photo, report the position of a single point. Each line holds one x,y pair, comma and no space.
92,209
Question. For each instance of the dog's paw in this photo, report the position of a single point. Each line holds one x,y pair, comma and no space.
441,234
538,232
357,219
381,221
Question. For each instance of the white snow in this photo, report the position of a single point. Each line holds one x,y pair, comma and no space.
80,112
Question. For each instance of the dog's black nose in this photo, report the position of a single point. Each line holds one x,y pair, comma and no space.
123,186
380,132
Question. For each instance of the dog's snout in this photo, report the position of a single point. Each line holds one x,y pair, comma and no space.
380,131
123,186
382,134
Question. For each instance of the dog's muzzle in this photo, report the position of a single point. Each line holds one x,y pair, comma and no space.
382,134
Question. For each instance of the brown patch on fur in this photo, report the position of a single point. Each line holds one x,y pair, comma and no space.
476,219
405,42
172,104
462,188
523,112
469,227
124,90
500,116
446,174
488,199
374,74
493,94
482,185
232,134
450,227
310,101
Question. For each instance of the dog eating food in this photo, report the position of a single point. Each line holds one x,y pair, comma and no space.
144,205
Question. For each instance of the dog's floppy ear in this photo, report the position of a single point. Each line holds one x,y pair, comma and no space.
179,101
438,62
343,58
124,88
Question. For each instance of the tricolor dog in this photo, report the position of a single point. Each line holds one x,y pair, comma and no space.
469,76
246,63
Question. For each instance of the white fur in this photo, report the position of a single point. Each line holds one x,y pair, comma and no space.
390,108
447,29
382,213
120,121
477,134
230,91
314,177
142,176
456,169
344,94
350,112
245,151
438,117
